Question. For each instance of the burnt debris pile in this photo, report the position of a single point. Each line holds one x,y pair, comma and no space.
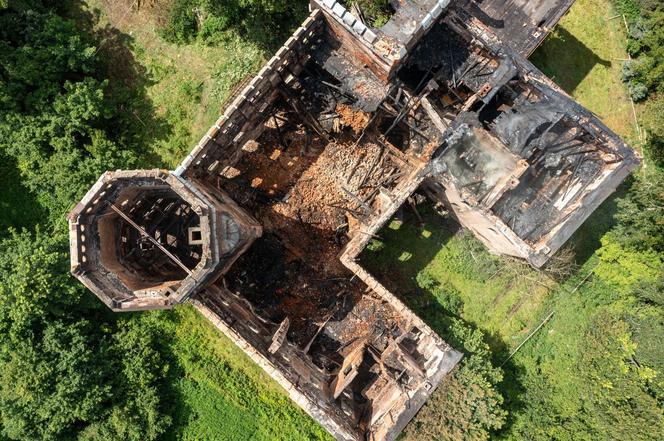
262,224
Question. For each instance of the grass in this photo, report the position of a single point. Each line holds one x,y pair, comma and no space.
218,392
583,55
494,299
184,85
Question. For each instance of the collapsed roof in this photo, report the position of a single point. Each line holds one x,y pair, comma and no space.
261,225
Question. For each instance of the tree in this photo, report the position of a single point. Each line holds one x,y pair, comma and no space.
55,112
640,214
67,365
50,380
69,368
616,388
207,20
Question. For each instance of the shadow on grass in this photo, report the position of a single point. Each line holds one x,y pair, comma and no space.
175,402
406,247
512,389
137,124
566,59
404,252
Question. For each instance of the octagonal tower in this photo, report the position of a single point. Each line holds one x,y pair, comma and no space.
149,239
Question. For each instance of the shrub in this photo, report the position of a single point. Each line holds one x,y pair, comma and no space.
637,90
654,115
640,214
182,25
265,21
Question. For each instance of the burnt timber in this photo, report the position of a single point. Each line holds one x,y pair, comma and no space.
261,226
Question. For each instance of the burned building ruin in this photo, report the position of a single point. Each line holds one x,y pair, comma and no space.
261,226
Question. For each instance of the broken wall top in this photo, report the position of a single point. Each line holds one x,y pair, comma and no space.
560,163
521,24
148,239
385,49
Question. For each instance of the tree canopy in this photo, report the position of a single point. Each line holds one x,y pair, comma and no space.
68,367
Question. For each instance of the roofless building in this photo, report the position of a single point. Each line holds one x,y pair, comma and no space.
261,226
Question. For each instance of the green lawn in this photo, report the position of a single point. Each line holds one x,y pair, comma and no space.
220,394
500,296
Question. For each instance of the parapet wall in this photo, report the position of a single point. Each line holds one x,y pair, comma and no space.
240,121
389,53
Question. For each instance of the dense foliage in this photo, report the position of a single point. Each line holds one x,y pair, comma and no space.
68,367
56,116
209,20
641,215
646,43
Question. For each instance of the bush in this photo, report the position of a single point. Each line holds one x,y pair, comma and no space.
377,12
616,387
653,117
637,90
628,71
646,42
468,404
182,25
448,297
265,21
640,214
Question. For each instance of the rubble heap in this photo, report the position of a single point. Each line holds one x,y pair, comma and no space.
261,226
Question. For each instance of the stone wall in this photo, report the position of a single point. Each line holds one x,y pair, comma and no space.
389,54
241,119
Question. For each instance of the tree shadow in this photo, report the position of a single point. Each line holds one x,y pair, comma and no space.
512,389
19,207
565,59
404,252
136,124
174,400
